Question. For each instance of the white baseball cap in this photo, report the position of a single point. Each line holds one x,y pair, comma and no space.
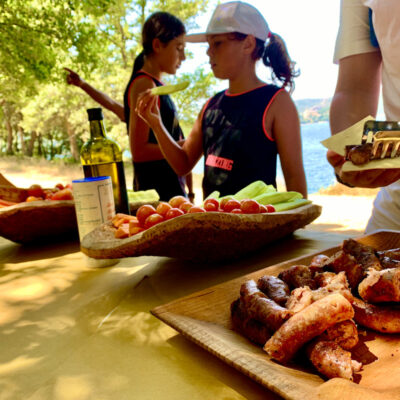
234,16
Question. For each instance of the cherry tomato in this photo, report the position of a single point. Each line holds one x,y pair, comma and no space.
196,209
173,213
60,186
143,212
236,211
270,208
33,198
211,205
224,201
176,201
163,207
153,219
231,205
186,206
263,209
249,206
65,194
36,190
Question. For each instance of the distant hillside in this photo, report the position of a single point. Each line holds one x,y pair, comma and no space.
313,110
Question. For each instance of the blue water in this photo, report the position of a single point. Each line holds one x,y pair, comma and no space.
319,173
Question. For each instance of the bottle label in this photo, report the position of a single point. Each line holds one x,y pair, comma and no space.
94,202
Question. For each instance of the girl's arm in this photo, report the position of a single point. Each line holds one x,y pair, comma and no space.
107,102
141,149
283,122
182,159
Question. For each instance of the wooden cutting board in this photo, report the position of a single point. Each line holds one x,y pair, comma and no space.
204,317
201,236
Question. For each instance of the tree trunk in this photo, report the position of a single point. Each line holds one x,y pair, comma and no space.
22,140
31,145
72,141
10,137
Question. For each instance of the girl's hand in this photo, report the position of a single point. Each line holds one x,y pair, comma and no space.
371,178
147,108
73,78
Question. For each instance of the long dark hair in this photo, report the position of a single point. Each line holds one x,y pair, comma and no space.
159,25
274,55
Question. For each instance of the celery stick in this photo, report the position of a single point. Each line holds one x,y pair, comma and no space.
213,195
252,190
168,89
277,197
289,205
143,196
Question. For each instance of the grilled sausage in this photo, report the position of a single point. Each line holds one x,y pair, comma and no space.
275,288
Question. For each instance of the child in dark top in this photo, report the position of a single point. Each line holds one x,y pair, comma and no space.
241,130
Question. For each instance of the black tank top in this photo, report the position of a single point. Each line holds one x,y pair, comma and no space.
157,174
237,149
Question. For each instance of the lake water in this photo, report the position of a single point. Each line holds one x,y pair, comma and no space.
319,173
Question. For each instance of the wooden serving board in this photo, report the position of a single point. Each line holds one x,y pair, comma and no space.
12,193
39,221
204,317
201,236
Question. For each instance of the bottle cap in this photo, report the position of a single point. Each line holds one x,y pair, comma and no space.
95,114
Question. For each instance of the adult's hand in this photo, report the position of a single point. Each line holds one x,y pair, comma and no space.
73,78
372,178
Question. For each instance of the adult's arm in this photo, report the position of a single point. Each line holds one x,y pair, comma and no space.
103,99
356,96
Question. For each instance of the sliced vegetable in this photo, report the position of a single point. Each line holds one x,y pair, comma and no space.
253,189
289,205
277,197
168,89
149,196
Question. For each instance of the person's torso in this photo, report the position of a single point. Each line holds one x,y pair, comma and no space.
386,24
157,174
237,149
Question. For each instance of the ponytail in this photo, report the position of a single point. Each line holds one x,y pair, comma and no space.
275,55
139,62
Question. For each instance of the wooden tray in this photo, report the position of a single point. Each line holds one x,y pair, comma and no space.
201,236
38,221
204,317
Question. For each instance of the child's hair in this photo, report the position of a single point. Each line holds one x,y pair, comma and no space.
159,25
274,55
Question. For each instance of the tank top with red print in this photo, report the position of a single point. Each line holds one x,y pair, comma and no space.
237,148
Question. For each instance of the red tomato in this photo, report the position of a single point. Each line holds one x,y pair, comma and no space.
231,205
176,201
65,194
143,212
196,209
153,219
270,208
36,190
163,207
263,209
173,213
60,186
249,206
211,205
224,201
236,211
186,206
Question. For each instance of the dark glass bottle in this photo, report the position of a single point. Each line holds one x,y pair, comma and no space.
101,156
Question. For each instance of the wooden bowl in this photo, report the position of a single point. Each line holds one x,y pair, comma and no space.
39,221
201,236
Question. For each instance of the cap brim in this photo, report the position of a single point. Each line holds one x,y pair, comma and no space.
196,38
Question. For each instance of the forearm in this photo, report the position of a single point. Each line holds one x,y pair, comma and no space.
296,182
172,151
104,100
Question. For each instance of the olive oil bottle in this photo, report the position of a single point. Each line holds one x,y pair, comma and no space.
101,156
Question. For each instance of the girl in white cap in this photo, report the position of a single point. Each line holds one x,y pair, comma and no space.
240,130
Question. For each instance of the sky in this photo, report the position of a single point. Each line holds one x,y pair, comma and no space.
308,27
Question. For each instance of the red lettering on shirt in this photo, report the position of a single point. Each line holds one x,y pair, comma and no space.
219,162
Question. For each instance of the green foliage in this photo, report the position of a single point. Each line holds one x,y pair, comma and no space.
39,113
